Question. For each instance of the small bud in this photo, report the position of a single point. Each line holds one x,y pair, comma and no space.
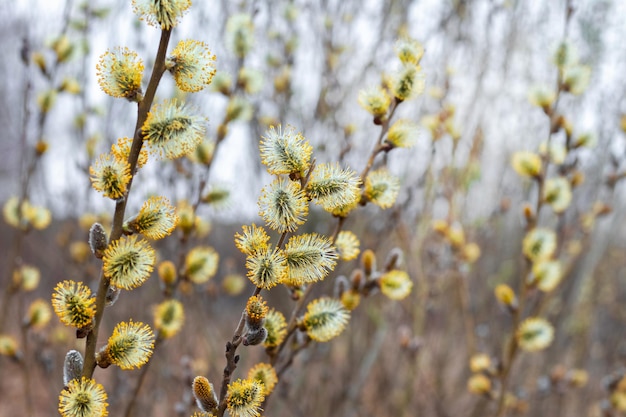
394,258
202,227
90,145
341,285
167,272
253,338
216,196
587,140
72,366
567,126
350,299
103,358
559,122
527,164
204,394
506,296
204,152
70,85
41,147
240,34
395,284
46,100
542,96
233,284
376,101
186,217
577,377
409,50
356,279
565,55
282,80
9,347
407,82
529,214
169,317
296,293
577,179
113,293
222,82
63,48
576,79
80,252
237,109
291,45
452,129
557,374
479,384
602,209
97,240
441,226
470,252
256,311
250,80
222,131
40,60
82,332
555,152
27,277
38,315
613,381
368,259
349,129
456,235
480,362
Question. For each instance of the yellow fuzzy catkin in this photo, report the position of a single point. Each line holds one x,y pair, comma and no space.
204,394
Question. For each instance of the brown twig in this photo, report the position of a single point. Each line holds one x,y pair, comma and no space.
513,347
378,147
232,358
120,206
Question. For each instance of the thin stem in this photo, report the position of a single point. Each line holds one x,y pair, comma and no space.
508,362
232,358
25,363
379,146
292,324
30,161
513,346
170,292
231,347
92,337
120,207
468,319
340,223
567,271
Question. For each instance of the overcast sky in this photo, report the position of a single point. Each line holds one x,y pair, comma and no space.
496,51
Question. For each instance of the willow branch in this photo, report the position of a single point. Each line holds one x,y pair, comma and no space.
120,206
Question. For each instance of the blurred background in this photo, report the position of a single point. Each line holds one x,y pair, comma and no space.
307,65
